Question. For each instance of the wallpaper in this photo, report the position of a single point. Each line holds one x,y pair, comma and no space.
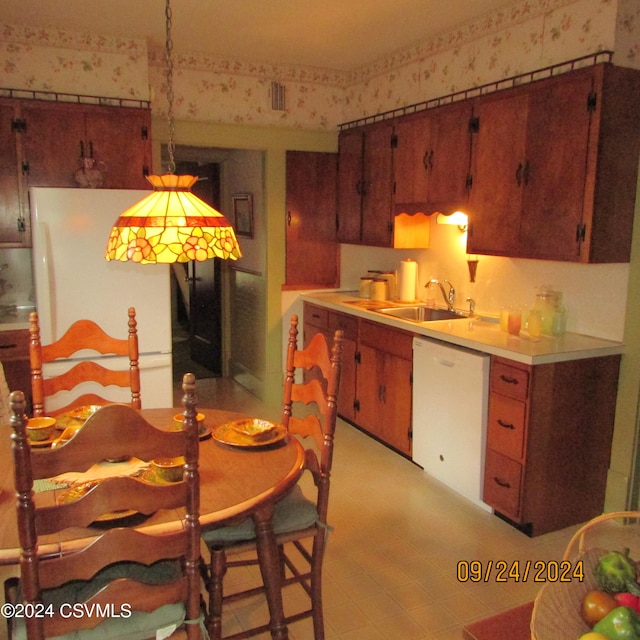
527,35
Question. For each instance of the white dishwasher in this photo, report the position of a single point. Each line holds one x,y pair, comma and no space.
450,396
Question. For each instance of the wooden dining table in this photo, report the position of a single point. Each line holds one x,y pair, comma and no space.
235,481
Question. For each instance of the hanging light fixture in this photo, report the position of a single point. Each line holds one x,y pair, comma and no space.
171,224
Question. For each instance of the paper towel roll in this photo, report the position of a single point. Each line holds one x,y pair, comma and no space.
407,278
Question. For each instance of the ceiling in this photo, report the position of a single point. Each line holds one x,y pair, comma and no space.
342,35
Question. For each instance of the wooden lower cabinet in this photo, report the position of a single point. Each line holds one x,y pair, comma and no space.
322,320
346,395
375,385
14,354
383,384
549,436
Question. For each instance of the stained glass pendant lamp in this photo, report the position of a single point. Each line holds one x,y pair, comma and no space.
171,224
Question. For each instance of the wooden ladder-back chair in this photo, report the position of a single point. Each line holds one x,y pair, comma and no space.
296,517
86,336
151,574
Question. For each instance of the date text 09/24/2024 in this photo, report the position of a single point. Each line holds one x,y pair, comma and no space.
520,571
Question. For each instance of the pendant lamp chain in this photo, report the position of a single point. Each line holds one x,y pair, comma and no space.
169,58
171,224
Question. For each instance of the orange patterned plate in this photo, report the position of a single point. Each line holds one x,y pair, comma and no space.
250,432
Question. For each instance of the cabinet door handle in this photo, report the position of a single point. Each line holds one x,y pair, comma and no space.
508,380
425,160
506,425
431,159
8,346
501,483
526,173
289,218
519,174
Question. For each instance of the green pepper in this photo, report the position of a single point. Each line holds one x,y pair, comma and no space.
623,623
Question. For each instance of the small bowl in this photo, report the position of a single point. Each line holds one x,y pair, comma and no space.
178,419
41,428
169,469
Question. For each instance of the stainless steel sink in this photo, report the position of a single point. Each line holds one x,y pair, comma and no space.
420,313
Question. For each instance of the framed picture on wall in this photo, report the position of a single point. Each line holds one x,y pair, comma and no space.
243,214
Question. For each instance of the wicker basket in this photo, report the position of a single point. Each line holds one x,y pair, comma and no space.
556,611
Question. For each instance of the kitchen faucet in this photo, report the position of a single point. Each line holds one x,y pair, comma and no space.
448,298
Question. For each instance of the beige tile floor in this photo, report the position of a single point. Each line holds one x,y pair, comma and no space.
391,563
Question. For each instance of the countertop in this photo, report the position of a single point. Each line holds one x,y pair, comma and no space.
477,334
14,318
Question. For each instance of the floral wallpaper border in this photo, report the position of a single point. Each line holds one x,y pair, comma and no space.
522,37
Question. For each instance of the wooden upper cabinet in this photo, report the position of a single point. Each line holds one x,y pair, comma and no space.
431,159
312,249
350,159
495,197
14,213
377,227
365,184
58,138
554,167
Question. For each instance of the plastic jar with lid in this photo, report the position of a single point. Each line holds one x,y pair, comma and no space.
390,277
379,289
364,289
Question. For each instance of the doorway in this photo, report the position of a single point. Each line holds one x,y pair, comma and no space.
198,290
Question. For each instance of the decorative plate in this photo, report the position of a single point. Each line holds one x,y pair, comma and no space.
84,413
250,432
76,491
203,433
43,444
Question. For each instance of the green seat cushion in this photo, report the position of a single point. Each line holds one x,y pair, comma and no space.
136,626
292,513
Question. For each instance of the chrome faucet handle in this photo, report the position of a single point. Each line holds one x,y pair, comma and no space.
472,306
452,295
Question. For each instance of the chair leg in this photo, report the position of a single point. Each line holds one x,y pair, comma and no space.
217,569
316,586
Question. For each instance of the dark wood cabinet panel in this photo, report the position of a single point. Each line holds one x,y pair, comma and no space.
375,386
549,437
59,138
554,167
57,144
431,159
383,384
495,198
312,257
365,184
14,214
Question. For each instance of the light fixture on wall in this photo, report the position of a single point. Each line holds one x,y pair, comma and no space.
171,224
456,218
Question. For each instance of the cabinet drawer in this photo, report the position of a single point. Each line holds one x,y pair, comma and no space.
506,426
316,316
348,324
509,380
14,345
388,340
502,480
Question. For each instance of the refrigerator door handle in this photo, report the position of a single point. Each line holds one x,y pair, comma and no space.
43,265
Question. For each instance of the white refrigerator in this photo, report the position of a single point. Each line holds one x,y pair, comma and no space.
73,281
